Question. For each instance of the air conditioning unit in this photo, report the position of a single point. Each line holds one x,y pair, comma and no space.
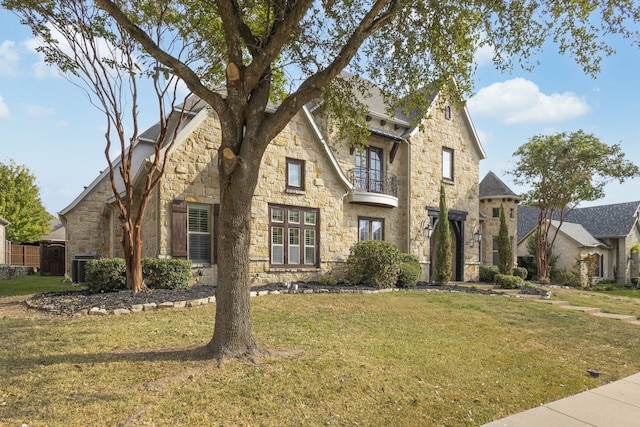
77,267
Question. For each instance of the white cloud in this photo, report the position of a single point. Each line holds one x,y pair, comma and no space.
520,101
39,111
4,110
484,56
9,59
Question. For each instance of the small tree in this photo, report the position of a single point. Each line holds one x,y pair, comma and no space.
102,59
443,243
563,170
505,252
20,204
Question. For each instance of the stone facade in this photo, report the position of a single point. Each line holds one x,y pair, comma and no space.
415,159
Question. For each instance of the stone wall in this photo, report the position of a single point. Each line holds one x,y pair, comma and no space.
491,227
13,271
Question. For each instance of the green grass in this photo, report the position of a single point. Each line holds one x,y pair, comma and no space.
33,284
402,359
618,302
631,293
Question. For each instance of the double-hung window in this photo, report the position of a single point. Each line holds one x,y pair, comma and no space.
294,236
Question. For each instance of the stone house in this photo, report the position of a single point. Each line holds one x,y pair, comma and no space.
494,195
316,197
608,233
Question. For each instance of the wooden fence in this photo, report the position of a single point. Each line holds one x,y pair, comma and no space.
25,255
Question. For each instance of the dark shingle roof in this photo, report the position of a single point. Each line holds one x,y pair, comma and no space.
604,221
492,186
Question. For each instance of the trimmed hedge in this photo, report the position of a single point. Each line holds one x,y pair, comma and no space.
374,263
509,282
409,271
520,272
109,274
488,273
106,275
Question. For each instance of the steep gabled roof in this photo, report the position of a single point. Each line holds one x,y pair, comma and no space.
492,186
615,220
578,233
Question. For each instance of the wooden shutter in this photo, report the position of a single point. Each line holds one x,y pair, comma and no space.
179,229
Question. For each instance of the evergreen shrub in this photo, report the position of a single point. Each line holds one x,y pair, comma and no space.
409,271
509,282
374,263
488,273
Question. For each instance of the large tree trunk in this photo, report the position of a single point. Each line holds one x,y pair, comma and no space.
232,335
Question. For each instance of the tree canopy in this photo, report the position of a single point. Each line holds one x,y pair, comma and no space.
20,204
561,171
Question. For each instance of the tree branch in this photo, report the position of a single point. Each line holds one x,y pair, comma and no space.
181,69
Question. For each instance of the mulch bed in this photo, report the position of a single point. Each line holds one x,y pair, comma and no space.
71,302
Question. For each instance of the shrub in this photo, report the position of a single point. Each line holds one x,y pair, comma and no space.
509,282
166,273
409,271
328,280
374,263
520,272
106,275
488,273
566,278
109,274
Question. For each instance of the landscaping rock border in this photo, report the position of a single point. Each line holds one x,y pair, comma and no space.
84,303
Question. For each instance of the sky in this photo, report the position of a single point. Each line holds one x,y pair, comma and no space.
48,125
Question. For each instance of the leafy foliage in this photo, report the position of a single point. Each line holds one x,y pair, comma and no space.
443,243
409,271
566,278
166,273
488,273
20,204
505,251
109,274
563,170
374,263
506,281
521,272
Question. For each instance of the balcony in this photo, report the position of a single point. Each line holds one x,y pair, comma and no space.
373,188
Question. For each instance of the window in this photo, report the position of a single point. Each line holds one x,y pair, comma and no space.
447,112
294,236
370,229
511,213
199,233
295,174
447,163
495,212
369,173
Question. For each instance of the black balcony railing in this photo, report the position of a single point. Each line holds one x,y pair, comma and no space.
372,181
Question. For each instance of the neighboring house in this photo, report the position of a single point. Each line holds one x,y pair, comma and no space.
607,232
315,199
495,194
4,245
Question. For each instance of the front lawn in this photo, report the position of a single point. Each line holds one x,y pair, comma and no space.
33,284
402,359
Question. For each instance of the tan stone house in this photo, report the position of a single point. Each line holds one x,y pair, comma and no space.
495,194
609,233
316,197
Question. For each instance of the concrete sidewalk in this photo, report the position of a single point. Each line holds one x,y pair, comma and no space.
616,404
